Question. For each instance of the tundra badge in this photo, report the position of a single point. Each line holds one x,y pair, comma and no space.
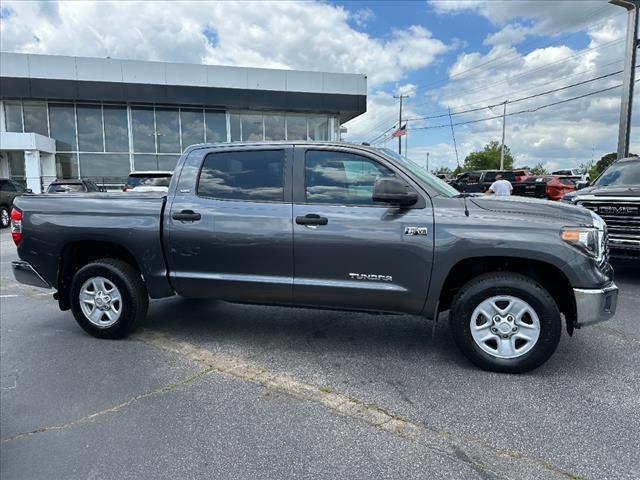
415,230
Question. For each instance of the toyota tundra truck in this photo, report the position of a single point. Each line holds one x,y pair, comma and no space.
324,225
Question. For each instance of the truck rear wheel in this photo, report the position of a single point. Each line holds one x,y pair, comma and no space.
505,322
108,298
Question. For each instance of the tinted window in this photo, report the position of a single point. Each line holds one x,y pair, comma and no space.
216,123
35,118
250,175
13,116
142,124
341,178
511,176
90,128
116,130
62,118
473,178
149,181
489,176
168,131
65,187
192,125
8,186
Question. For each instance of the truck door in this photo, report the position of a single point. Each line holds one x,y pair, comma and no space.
349,251
229,228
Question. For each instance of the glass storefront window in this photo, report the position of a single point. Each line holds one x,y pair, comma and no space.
63,126
66,165
274,127
143,128
216,123
234,127
143,162
192,123
35,118
296,127
116,130
13,116
105,167
252,130
318,128
16,164
167,162
168,130
90,128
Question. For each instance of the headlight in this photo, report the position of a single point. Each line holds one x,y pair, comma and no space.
569,198
589,240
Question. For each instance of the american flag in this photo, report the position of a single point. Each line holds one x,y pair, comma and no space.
401,131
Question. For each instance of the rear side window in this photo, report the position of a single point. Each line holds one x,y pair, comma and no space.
65,187
510,176
256,175
341,178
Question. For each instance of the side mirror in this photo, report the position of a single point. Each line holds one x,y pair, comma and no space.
28,190
582,184
394,191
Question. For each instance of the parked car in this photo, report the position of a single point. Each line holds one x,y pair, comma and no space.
615,196
73,185
9,190
478,181
571,172
444,176
551,187
153,181
326,225
521,174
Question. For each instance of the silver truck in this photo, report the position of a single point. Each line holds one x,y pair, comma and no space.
324,225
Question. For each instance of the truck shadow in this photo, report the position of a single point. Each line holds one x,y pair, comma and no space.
325,332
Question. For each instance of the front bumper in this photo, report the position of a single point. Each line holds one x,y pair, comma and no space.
25,273
594,306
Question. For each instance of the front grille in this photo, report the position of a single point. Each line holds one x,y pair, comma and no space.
622,219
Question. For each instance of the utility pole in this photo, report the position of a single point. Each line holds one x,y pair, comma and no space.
453,135
400,121
504,117
626,101
427,161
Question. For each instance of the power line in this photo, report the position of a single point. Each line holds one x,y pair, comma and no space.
529,97
530,110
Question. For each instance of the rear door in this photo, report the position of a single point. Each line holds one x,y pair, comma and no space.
351,252
229,229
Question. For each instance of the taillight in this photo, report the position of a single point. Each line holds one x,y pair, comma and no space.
16,225
126,188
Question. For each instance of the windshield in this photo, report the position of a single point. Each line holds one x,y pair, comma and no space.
423,174
620,174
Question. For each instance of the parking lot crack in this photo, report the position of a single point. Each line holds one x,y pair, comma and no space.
113,409
446,444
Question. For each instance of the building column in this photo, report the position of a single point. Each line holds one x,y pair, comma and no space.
4,165
33,170
48,165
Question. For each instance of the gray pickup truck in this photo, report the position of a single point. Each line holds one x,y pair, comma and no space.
326,225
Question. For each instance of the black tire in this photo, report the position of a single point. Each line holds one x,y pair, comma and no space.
135,300
5,219
472,294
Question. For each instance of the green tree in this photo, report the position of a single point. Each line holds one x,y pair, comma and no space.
602,164
488,158
539,170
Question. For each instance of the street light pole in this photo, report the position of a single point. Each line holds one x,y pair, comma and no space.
626,100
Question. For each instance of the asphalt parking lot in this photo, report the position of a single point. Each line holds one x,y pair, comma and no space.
215,390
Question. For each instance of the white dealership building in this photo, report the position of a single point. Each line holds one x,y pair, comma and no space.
100,118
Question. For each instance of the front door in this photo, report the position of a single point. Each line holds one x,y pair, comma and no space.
231,236
351,252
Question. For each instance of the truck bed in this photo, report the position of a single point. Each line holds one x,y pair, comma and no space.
52,223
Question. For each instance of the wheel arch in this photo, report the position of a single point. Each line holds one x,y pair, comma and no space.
77,254
552,278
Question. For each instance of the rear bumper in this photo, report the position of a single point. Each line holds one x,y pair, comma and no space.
597,305
25,273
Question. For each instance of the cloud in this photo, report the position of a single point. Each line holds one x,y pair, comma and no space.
288,35
362,17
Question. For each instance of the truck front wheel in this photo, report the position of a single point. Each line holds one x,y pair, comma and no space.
108,298
505,322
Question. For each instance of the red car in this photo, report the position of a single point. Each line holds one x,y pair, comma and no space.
551,187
